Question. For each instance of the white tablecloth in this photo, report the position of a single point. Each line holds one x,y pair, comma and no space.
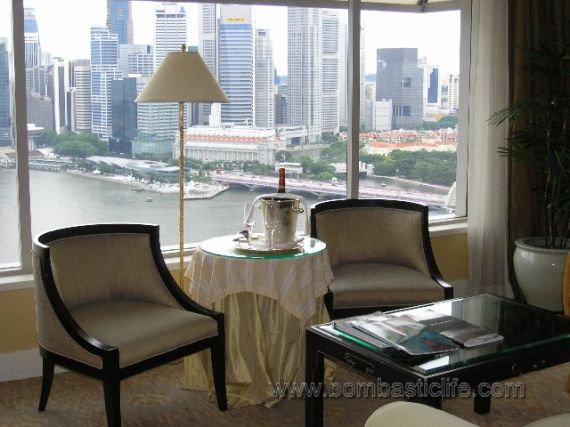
295,282
268,304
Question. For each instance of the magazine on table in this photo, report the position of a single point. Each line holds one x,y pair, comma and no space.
458,330
400,332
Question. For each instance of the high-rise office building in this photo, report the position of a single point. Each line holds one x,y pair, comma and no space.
264,92
342,74
280,109
400,79
124,93
119,20
5,98
453,92
136,59
208,49
236,63
330,89
59,77
32,47
159,121
104,68
80,96
433,86
169,30
304,63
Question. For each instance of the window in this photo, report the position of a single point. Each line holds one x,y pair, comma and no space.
97,156
9,249
412,153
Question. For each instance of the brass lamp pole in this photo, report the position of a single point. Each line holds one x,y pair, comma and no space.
182,77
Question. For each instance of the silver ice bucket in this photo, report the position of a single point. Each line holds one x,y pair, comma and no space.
280,213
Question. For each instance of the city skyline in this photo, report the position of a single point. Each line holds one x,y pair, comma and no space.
439,40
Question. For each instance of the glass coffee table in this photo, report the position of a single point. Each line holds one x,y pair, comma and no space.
533,339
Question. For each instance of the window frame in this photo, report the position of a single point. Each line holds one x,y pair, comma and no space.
354,9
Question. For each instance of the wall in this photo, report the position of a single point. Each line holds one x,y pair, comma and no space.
17,319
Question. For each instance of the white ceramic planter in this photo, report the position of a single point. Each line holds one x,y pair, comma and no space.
539,272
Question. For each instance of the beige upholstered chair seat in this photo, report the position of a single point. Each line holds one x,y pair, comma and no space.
141,329
408,414
381,284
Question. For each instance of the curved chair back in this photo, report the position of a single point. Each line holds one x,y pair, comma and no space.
91,264
369,230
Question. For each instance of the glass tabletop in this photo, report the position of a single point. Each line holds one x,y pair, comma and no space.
522,326
233,247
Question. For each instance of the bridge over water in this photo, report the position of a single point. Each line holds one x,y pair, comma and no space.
322,189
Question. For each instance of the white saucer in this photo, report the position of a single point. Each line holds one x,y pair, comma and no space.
262,247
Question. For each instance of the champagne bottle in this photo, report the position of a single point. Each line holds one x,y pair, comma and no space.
281,186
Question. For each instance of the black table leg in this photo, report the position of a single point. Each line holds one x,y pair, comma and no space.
314,377
482,402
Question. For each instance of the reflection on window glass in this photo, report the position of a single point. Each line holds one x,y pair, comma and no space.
97,156
408,146
9,249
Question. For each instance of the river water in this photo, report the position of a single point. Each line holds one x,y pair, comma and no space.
61,199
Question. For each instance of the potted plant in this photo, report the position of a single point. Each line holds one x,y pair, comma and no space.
540,137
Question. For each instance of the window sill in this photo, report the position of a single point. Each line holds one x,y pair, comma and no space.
26,281
448,227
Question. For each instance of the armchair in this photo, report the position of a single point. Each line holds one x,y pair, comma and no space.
107,307
381,255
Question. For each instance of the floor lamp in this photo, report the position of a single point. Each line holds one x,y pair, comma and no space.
182,77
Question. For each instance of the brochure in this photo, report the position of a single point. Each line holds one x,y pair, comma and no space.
400,332
458,330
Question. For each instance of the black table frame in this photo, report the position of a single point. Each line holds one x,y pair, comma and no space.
320,345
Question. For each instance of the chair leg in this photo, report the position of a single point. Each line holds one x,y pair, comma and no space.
219,372
47,380
112,392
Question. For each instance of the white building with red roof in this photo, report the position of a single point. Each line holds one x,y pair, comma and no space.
229,143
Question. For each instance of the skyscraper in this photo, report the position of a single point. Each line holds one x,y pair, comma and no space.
124,92
208,49
104,68
119,20
236,63
169,30
159,121
81,96
264,93
5,117
60,86
136,59
32,47
330,57
342,69
453,92
304,62
400,79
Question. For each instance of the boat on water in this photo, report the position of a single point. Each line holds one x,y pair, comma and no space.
149,199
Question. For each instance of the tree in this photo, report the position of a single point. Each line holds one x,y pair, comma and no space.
448,122
73,148
48,138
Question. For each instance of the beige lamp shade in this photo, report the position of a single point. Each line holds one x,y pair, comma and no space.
182,77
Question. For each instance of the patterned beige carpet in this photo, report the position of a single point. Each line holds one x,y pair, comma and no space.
155,399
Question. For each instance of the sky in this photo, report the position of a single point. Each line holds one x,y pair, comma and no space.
64,27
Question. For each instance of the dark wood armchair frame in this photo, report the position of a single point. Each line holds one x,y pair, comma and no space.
388,204
110,373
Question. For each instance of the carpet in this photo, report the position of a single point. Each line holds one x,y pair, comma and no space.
155,398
